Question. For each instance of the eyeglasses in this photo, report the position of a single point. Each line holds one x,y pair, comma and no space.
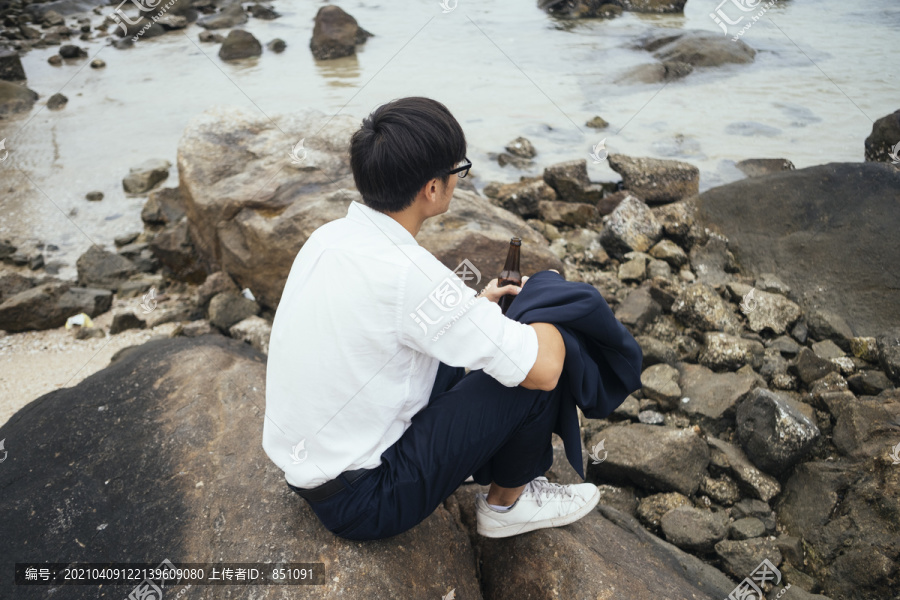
463,170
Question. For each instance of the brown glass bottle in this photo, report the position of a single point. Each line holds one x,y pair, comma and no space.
510,273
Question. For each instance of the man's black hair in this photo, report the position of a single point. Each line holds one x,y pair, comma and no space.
400,147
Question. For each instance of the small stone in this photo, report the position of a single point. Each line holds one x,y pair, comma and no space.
71,51
277,45
651,417
660,383
746,528
651,508
670,252
693,529
57,101
97,63
597,123
865,348
633,271
522,148
95,196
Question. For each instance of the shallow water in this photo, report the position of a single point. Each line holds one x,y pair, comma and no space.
823,74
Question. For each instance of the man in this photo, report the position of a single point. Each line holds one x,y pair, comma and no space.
369,411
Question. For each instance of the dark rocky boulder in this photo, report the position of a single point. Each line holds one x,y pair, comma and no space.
159,456
336,34
654,180
239,44
254,234
11,65
50,304
604,9
884,138
15,98
696,47
805,226
847,512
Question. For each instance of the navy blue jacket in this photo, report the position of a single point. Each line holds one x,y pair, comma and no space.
603,360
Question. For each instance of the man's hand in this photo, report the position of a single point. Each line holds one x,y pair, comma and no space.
494,293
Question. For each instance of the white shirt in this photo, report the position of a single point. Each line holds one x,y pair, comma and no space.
364,320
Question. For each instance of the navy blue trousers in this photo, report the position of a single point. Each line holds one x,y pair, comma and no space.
472,425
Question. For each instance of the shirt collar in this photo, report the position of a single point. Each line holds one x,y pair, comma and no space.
358,211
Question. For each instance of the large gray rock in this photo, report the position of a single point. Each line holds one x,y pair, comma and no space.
773,433
254,233
751,480
570,181
691,528
335,34
142,178
846,512
777,224
712,395
655,180
169,413
700,306
100,268
697,48
888,344
11,65
630,227
50,304
653,457
239,44
884,137
15,98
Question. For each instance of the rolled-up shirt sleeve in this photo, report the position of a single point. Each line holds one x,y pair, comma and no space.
441,316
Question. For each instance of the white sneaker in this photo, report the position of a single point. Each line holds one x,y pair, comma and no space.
542,504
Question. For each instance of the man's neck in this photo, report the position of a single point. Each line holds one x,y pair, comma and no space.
409,218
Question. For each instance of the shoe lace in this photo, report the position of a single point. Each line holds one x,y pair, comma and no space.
540,485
